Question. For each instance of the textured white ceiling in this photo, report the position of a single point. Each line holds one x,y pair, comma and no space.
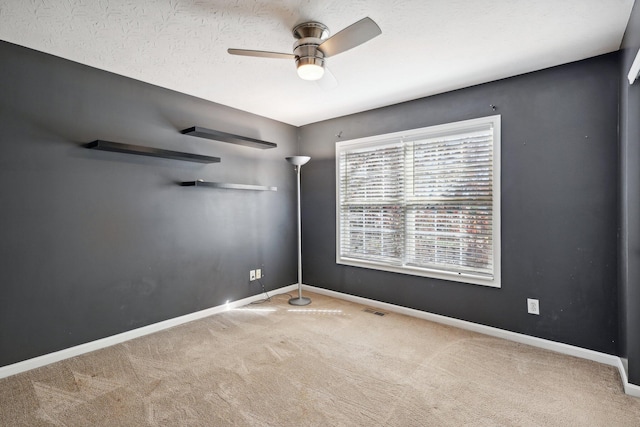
426,46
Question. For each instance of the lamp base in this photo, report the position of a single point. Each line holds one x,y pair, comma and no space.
300,301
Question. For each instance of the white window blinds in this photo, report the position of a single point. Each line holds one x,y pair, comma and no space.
449,199
371,192
423,202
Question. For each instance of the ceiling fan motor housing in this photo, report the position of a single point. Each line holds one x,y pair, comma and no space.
310,35
311,29
307,52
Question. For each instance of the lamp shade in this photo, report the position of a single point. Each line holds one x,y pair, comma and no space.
298,160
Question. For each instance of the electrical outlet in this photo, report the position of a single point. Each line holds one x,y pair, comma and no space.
533,306
252,275
258,273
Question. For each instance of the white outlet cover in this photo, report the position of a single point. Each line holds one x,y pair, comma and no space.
259,273
252,275
533,306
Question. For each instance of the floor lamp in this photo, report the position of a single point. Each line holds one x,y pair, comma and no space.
298,161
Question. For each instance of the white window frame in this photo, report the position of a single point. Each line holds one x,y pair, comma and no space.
493,122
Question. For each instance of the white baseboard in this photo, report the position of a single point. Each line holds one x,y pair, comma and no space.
607,359
629,388
37,362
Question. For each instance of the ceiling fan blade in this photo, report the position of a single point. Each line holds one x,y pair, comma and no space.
352,36
328,80
261,54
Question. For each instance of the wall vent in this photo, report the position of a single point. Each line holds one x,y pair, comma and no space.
374,311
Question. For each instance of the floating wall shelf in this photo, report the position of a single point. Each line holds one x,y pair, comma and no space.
227,186
216,135
149,151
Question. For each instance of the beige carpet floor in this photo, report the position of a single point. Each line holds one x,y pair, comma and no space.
327,364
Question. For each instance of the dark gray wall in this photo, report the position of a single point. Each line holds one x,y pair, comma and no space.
559,204
630,201
96,243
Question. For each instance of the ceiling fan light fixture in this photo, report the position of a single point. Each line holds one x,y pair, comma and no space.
310,68
313,45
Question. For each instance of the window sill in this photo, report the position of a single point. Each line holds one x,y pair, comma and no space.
474,279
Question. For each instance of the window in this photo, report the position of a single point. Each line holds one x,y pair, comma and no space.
424,202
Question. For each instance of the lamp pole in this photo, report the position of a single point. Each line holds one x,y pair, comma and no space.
298,161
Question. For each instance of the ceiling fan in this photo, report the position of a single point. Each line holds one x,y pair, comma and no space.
314,45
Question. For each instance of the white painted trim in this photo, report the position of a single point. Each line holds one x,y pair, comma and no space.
404,139
583,353
634,71
607,359
37,362
625,365
629,388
